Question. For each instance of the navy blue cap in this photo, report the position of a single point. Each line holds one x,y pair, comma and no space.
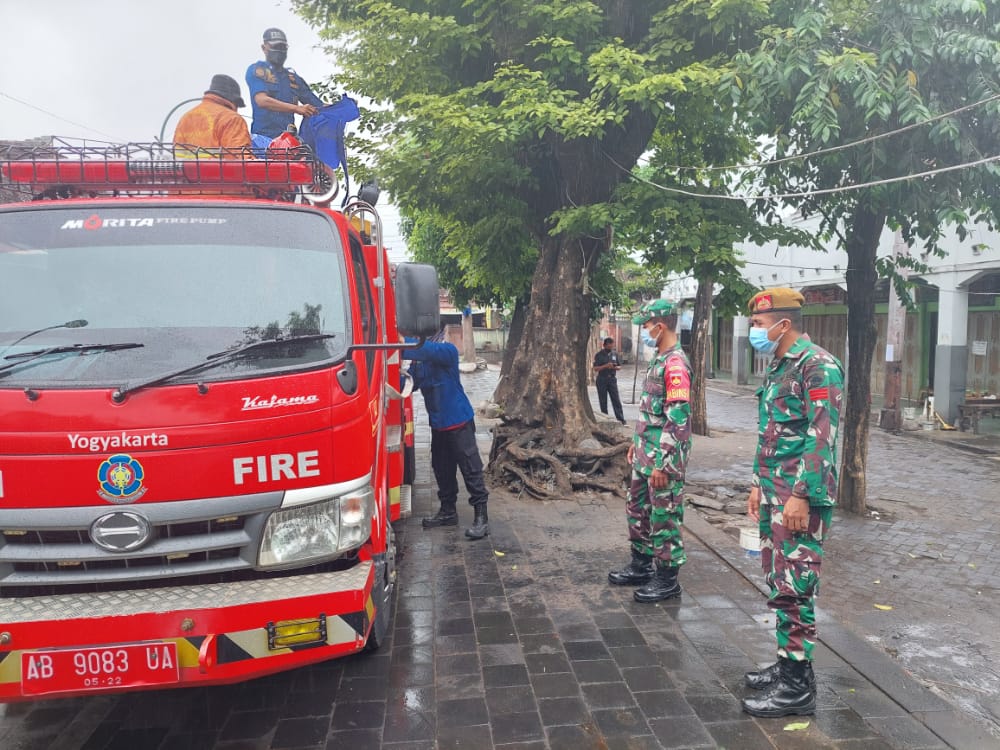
273,36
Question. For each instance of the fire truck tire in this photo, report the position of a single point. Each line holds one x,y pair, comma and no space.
409,464
382,594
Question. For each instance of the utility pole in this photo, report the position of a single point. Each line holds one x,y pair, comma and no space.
890,418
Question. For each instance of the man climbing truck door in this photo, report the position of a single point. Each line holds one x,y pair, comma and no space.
198,448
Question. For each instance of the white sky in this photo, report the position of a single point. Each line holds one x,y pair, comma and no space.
113,69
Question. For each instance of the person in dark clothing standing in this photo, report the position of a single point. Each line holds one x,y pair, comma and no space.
606,366
434,368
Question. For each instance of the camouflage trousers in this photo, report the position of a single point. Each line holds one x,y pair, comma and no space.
655,518
791,563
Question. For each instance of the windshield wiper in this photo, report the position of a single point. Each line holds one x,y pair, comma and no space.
79,323
24,358
236,351
215,359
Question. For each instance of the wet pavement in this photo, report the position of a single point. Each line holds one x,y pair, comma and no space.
517,641
929,549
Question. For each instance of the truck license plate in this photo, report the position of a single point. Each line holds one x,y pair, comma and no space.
104,668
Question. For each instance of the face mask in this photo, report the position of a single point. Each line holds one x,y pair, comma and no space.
277,56
647,338
760,341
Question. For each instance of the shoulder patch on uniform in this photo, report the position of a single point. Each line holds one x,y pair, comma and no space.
818,394
264,74
678,381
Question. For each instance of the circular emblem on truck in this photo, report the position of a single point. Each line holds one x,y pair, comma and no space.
121,479
120,531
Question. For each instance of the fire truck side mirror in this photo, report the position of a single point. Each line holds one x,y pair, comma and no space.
418,311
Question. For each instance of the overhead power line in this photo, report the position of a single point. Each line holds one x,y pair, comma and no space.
807,193
841,147
58,117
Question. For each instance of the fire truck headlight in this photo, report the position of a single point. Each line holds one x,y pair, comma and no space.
300,536
308,534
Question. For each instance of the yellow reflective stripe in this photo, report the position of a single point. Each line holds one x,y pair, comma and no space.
10,667
394,496
370,608
187,652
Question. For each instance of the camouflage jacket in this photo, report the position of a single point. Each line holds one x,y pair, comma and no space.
662,437
799,410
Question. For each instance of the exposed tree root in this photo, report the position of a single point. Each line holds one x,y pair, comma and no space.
535,461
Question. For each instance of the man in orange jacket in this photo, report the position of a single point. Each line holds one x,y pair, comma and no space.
215,124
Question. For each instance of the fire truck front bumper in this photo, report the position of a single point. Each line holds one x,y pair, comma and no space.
78,644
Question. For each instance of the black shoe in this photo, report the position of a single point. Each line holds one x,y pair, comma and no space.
637,572
763,678
792,694
444,517
480,523
623,421
663,585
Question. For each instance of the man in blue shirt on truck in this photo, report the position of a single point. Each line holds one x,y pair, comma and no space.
277,93
434,369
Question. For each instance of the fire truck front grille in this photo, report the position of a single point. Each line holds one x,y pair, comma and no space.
194,538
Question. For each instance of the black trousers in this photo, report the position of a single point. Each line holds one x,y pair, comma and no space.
609,387
457,449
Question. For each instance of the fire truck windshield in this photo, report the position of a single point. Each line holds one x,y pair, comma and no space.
184,281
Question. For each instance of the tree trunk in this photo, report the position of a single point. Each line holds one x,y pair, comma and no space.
545,444
514,335
862,247
468,340
700,340
549,444
546,386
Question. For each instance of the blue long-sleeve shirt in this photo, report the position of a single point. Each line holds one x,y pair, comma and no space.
283,84
435,374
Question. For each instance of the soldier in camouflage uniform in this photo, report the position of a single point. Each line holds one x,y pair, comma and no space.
794,490
658,456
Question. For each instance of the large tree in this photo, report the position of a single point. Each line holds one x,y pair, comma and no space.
522,117
837,72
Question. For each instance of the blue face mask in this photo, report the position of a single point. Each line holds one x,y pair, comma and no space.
647,339
760,341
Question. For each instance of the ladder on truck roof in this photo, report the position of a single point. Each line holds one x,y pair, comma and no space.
66,169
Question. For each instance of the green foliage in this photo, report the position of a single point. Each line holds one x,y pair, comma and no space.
680,234
468,274
508,124
837,72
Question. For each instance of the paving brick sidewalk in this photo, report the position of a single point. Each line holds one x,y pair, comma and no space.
531,648
904,699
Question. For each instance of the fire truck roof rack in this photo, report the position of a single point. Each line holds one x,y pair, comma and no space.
68,169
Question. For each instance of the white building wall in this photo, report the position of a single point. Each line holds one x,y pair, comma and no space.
965,260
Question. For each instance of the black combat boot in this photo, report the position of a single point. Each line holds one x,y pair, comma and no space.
663,585
480,523
792,694
638,571
763,678
447,516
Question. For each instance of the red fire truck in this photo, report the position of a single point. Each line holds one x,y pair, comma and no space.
203,423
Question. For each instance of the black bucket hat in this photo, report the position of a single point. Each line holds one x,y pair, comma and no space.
226,87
